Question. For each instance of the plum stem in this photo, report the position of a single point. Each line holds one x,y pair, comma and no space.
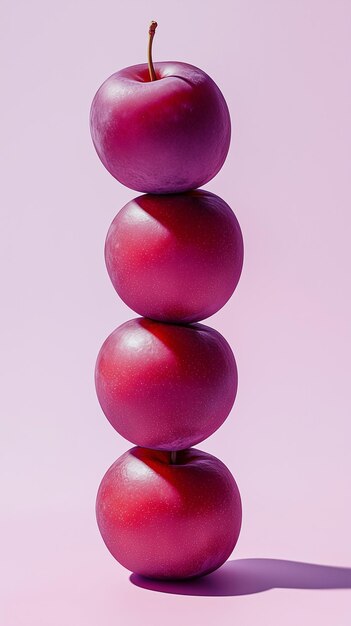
173,457
152,29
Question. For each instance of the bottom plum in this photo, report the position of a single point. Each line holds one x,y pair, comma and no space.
169,520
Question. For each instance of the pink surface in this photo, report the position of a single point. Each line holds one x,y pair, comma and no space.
283,68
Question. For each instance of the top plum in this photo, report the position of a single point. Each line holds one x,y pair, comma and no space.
164,136
161,129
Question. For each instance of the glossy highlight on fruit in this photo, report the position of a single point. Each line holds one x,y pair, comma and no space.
175,258
165,386
171,521
163,136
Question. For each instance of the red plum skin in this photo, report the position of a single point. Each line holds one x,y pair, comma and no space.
169,521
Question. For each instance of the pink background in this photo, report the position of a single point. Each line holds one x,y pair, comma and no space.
284,68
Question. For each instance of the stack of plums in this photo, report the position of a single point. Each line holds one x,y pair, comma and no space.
165,381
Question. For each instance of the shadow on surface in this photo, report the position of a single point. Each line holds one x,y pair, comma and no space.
247,576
